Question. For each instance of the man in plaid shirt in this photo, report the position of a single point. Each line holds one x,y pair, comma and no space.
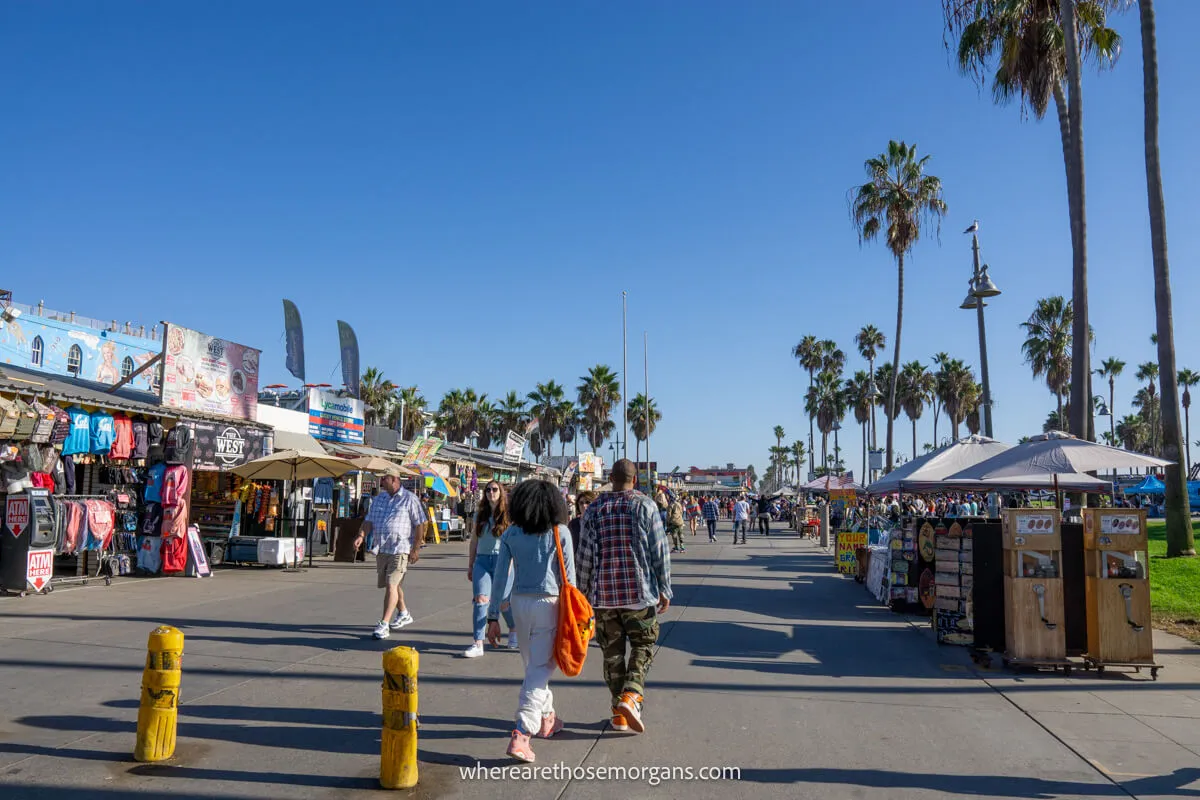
625,571
710,512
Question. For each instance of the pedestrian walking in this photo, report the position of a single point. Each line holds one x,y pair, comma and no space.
710,518
491,521
741,518
575,525
675,525
625,572
530,548
765,505
397,521
693,513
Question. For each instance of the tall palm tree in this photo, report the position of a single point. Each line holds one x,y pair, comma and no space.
411,403
808,353
896,199
1047,346
825,403
798,457
916,387
870,342
939,361
643,419
599,394
545,405
1180,540
485,423
511,415
1053,422
779,434
957,387
1111,368
1188,379
1133,432
1036,47
569,425
377,393
1148,372
858,396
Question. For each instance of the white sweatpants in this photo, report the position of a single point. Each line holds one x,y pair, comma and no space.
536,619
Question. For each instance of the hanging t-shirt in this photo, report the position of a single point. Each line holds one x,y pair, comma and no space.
79,437
141,439
154,483
122,446
104,433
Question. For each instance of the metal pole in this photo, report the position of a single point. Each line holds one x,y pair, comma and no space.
624,379
646,366
983,364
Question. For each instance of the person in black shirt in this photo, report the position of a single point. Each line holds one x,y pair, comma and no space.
765,502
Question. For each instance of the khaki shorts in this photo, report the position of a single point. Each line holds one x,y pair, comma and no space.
391,569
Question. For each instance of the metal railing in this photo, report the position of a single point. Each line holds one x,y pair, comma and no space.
128,328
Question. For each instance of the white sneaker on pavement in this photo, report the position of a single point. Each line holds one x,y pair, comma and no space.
512,641
474,651
382,631
401,620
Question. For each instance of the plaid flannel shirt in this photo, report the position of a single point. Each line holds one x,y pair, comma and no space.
710,509
623,560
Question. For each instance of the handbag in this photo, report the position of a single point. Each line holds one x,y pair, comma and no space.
576,621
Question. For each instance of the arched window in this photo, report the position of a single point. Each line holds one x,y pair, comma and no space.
74,360
126,367
37,351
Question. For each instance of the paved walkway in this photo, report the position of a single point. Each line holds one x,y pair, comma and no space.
768,663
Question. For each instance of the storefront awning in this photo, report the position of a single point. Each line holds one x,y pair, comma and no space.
359,450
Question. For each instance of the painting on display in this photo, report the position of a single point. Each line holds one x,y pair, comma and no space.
207,374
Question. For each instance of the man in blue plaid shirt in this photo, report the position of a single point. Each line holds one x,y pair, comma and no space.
710,512
625,571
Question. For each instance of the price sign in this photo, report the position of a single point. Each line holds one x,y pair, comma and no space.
847,543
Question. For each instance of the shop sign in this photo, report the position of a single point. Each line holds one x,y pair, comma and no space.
16,514
847,542
334,418
207,374
422,451
514,446
570,473
39,568
585,482
223,447
842,495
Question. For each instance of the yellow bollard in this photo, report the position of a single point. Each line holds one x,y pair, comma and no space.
398,765
159,711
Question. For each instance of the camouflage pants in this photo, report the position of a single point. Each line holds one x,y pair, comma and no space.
676,533
615,626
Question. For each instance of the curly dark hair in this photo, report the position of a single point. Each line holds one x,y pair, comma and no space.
536,506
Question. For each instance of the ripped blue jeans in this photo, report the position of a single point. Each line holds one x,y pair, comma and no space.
481,589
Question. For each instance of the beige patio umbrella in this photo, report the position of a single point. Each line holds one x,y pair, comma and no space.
382,466
294,465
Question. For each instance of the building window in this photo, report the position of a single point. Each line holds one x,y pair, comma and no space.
126,368
74,360
37,351
156,384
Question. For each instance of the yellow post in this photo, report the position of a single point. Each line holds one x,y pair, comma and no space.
398,765
159,710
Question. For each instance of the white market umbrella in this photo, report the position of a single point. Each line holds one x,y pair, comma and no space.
295,465
1055,453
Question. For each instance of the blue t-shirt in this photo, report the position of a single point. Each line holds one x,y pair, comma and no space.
103,433
154,483
79,440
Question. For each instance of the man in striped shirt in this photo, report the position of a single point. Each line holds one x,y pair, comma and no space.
625,571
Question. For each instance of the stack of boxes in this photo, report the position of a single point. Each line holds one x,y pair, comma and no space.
954,580
902,574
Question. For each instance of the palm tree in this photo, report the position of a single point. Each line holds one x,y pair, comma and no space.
546,407
1053,422
896,199
825,403
1036,52
1179,525
939,361
858,396
798,457
779,434
1148,372
956,387
511,415
870,341
643,419
569,425
1047,346
599,393
1111,369
916,386
808,353
412,405
1187,379
376,392
1133,432
485,423
456,414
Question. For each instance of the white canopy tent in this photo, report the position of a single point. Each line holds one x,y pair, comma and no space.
1058,456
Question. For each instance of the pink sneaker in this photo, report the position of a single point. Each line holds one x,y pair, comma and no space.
519,747
551,725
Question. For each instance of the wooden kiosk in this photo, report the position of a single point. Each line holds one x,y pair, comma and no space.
1033,589
1116,560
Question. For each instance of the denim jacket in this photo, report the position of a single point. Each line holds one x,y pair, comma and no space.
536,561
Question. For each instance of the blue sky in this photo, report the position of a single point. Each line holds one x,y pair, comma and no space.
472,186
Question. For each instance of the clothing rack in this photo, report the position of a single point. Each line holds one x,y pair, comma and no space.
82,557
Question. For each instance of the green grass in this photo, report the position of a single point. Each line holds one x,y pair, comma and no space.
1174,582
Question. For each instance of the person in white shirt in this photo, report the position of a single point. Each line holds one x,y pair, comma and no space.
741,518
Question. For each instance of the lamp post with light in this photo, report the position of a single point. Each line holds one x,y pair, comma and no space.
978,287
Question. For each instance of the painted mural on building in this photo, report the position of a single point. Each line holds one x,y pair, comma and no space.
58,347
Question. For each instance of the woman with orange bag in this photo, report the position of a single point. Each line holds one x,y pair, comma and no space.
531,546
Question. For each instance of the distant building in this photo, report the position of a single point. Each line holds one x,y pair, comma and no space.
728,476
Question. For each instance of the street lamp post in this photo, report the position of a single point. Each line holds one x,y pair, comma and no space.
979,287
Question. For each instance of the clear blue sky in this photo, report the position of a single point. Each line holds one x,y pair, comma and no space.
472,186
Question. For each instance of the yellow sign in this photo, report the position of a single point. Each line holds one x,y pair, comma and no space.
845,495
847,542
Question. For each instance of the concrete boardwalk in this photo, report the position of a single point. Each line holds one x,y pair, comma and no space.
768,663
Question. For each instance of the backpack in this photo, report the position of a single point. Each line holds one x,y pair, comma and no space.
576,621
176,483
181,445
62,426
45,423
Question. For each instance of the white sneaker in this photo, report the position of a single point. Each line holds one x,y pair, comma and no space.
474,651
512,641
382,631
402,620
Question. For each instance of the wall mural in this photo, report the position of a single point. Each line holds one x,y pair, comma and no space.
102,353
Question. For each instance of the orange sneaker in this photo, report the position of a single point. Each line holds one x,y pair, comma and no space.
631,708
518,747
618,722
